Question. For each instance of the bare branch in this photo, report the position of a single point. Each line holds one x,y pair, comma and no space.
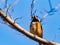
16,1
25,32
18,18
32,11
7,7
51,11
50,4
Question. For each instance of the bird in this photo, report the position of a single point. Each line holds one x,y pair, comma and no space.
36,27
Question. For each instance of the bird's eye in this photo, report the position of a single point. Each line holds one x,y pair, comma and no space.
33,17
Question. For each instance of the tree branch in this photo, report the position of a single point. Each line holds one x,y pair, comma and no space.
25,32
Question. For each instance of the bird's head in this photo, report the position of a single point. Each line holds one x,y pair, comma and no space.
35,18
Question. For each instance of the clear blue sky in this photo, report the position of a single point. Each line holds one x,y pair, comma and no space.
51,24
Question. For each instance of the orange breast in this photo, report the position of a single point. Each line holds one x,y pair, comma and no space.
36,28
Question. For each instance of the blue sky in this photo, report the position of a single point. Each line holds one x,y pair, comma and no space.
51,24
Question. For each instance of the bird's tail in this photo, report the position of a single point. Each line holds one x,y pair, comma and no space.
40,43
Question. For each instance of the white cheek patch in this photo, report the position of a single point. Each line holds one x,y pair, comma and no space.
34,25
